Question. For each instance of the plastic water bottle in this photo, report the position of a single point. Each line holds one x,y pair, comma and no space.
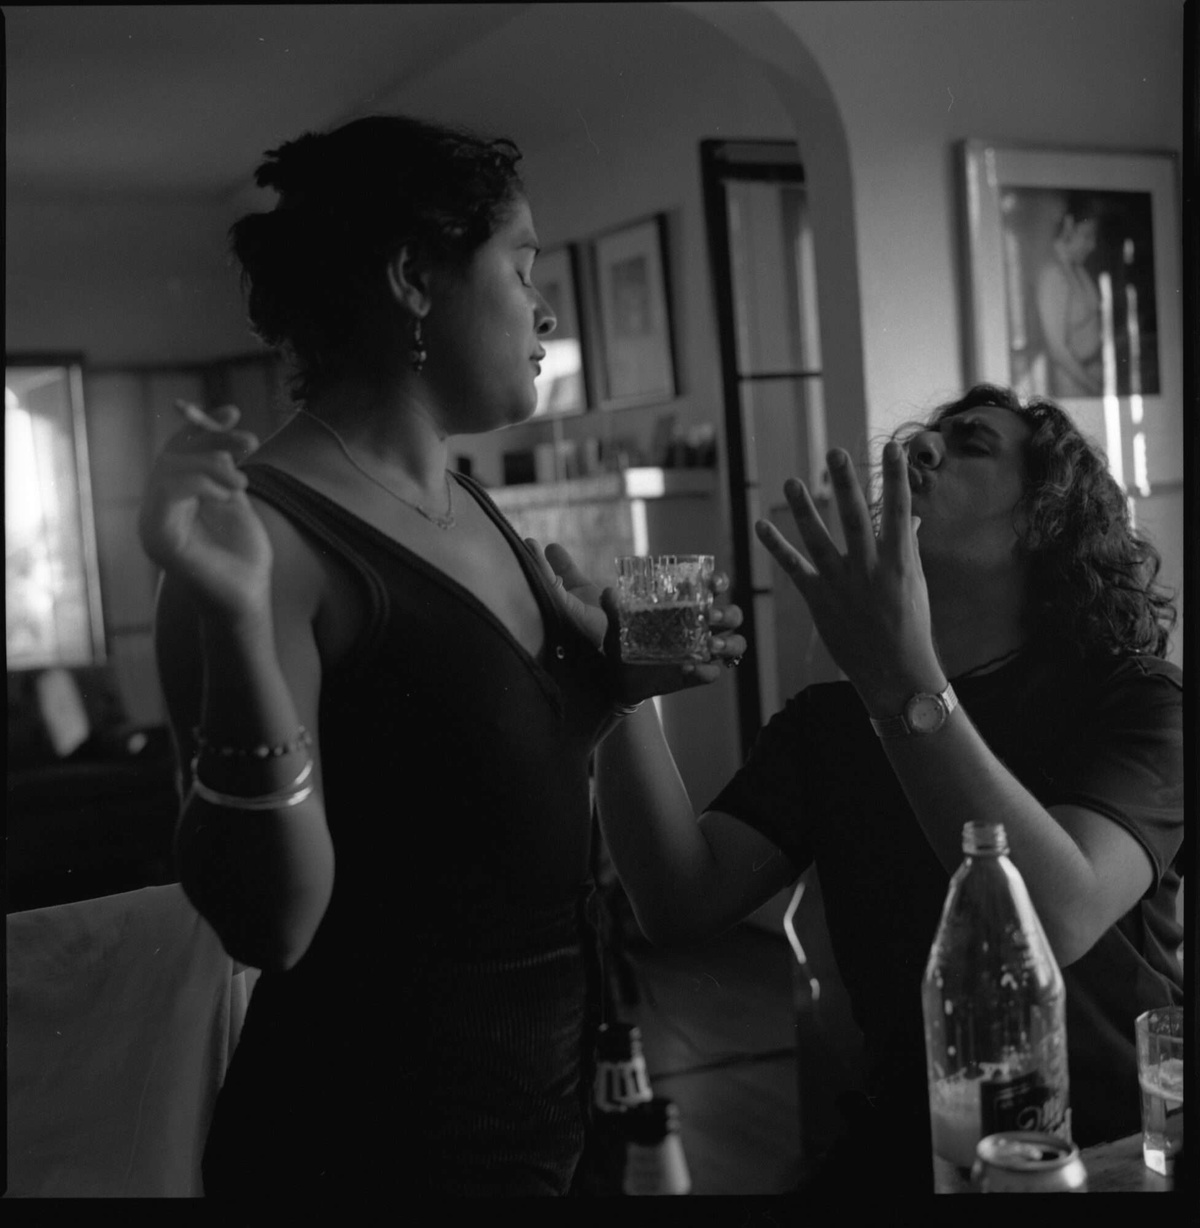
994,1006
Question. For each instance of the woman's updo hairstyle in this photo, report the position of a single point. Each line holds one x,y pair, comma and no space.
314,269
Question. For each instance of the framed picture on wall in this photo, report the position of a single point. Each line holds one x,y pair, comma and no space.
637,362
561,385
1073,265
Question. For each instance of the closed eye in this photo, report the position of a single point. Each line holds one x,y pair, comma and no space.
974,438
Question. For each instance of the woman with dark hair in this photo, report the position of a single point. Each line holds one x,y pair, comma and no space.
1003,639
385,702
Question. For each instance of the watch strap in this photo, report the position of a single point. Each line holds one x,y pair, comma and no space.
898,727
891,726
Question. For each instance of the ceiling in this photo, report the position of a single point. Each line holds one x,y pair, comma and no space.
181,100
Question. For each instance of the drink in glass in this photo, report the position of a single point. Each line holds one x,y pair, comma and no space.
1160,1074
663,605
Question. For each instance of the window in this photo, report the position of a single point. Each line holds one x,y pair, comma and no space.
52,589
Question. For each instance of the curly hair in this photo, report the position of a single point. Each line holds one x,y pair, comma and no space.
314,268
1094,578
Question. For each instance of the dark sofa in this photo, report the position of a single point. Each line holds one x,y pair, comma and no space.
96,822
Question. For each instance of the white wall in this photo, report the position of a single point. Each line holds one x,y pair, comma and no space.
126,281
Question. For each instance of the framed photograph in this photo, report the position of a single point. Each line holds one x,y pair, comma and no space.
1073,263
561,386
637,355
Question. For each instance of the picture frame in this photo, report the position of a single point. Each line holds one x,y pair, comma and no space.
633,315
1073,268
562,384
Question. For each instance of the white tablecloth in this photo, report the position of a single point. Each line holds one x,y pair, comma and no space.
123,1013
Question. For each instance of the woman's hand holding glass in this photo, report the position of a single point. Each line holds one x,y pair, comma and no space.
594,613
196,521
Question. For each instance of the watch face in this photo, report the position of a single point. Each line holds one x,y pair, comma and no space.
925,713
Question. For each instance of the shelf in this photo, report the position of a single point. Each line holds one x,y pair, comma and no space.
641,483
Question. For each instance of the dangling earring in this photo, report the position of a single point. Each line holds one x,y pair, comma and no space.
418,353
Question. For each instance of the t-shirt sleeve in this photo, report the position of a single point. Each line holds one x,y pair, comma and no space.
1126,759
767,792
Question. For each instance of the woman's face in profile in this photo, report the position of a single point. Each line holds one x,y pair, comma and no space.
485,329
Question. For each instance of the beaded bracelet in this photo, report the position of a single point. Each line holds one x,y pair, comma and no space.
626,709
229,750
292,795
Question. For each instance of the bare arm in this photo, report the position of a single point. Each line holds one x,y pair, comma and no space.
237,658
687,880
1083,871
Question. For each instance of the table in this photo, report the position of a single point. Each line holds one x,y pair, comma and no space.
1112,1168
1118,1168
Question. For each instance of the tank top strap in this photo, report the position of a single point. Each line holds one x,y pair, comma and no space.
551,615
329,524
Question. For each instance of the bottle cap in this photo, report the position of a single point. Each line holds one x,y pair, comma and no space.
981,839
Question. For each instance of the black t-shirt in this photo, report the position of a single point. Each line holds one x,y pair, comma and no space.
1105,735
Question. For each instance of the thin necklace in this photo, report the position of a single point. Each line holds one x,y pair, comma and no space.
446,521
978,669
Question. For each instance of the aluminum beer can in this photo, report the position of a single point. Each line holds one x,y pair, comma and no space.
1025,1162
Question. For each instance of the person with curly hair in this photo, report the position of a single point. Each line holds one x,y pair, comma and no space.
385,703
1003,639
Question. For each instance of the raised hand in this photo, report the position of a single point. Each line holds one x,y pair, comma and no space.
871,604
594,612
196,520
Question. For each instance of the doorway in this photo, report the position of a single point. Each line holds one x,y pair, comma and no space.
761,253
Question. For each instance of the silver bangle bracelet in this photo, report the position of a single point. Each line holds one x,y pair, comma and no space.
293,795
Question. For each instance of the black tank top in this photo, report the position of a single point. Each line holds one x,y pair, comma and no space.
440,1025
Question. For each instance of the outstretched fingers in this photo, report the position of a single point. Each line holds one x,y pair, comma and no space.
852,509
784,553
822,549
896,519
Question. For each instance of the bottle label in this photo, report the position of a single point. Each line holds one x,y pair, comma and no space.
1024,1103
621,1084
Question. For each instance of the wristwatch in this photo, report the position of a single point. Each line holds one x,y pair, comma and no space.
923,713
